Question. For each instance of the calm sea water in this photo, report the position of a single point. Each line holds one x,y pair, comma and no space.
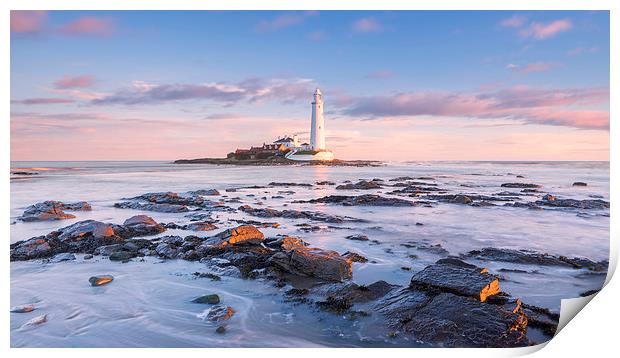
148,305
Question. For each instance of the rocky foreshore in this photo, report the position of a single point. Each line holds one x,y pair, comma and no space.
279,161
453,302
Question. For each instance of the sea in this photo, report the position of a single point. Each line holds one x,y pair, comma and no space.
149,302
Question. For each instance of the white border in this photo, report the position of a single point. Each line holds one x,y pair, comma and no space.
594,331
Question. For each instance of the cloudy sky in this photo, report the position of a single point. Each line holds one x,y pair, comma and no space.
404,85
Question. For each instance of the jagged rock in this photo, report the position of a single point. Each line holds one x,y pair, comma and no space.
37,321
580,183
139,225
354,293
241,235
122,255
520,185
205,192
574,203
52,210
414,190
549,197
289,184
295,214
354,257
457,278
358,237
535,258
162,208
200,226
218,313
325,182
451,320
209,275
211,299
23,308
362,184
315,262
100,280
65,256
285,243
361,200
171,198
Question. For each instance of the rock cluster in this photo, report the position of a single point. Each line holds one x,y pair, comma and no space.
361,200
52,210
295,214
362,184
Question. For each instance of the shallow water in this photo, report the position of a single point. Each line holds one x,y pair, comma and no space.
148,304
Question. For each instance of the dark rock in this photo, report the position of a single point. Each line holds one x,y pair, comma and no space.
289,184
358,237
325,182
207,299
88,257
100,280
588,293
580,183
575,204
520,185
354,257
170,198
549,197
205,192
541,318
52,210
209,275
361,200
451,198
458,279
323,264
297,292
295,214
241,235
220,330
138,225
535,258
451,320
122,255
200,226
63,257
362,184
162,208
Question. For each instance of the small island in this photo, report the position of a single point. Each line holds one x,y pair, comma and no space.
288,150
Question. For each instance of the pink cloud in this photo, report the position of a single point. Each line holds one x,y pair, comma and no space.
74,81
43,101
514,21
541,31
88,26
533,67
522,103
27,21
367,25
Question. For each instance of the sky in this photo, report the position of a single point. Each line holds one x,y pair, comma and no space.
397,85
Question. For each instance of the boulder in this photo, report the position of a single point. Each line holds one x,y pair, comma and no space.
451,320
23,308
200,226
354,257
595,204
217,313
457,278
520,185
162,208
580,183
354,293
357,237
139,225
211,299
65,256
362,184
535,258
295,214
241,235
52,210
100,280
324,264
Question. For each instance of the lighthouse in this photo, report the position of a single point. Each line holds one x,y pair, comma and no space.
317,126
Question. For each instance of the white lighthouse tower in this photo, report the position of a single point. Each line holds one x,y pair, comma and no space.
317,127
316,150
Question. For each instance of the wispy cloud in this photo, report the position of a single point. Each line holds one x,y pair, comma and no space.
251,90
88,25
532,67
28,21
367,24
43,101
581,50
380,74
513,21
316,35
283,21
74,81
542,31
540,106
